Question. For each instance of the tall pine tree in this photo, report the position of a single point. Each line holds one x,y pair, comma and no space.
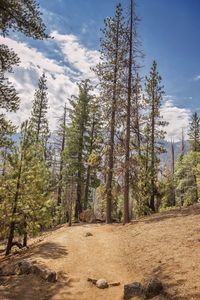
110,71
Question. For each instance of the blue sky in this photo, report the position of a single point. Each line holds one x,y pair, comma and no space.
169,34
168,31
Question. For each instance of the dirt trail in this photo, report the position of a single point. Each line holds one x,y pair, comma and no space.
166,245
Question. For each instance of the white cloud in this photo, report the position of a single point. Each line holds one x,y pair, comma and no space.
178,119
196,78
76,65
76,54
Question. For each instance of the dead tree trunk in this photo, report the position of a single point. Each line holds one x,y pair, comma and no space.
59,198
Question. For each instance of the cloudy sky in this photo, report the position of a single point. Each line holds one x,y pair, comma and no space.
168,32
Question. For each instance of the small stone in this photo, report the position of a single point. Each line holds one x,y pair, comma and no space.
88,234
102,283
133,289
152,288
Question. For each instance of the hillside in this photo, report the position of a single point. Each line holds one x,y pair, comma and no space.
166,245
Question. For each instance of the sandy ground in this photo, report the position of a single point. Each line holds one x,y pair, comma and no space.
166,245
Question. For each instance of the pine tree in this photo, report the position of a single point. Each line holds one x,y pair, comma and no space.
154,135
110,71
76,135
9,100
38,120
93,149
23,16
132,53
194,133
187,176
25,189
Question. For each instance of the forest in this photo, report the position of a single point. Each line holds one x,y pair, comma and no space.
104,162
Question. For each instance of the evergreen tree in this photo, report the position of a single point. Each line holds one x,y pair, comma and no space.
194,133
110,72
154,135
76,135
132,53
38,121
9,100
24,189
93,150
23,16
187,176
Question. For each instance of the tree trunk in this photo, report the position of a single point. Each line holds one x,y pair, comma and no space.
173,170
12,223
59,198
87,188
25,235
89,168
112,137
152,199
128,121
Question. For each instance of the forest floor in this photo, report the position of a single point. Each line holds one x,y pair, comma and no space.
166,245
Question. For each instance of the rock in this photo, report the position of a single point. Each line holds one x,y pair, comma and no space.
47,275
24,267
37,270
133,289
94,281
102,283
51,276
114,283
152,287
88,234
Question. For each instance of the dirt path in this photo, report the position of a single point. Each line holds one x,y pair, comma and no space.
166,245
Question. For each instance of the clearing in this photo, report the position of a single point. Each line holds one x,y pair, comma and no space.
167,245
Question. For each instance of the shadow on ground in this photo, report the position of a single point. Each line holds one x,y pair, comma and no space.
48,250
31,287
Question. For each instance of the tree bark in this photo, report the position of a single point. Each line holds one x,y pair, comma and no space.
59,198
152,198
12,223
112,137
128,117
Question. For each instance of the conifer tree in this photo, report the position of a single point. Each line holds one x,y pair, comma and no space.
110,71
194,133
9,100
154,134
25,17
38,120
76,134
93,149
187,176
132,53
25,189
